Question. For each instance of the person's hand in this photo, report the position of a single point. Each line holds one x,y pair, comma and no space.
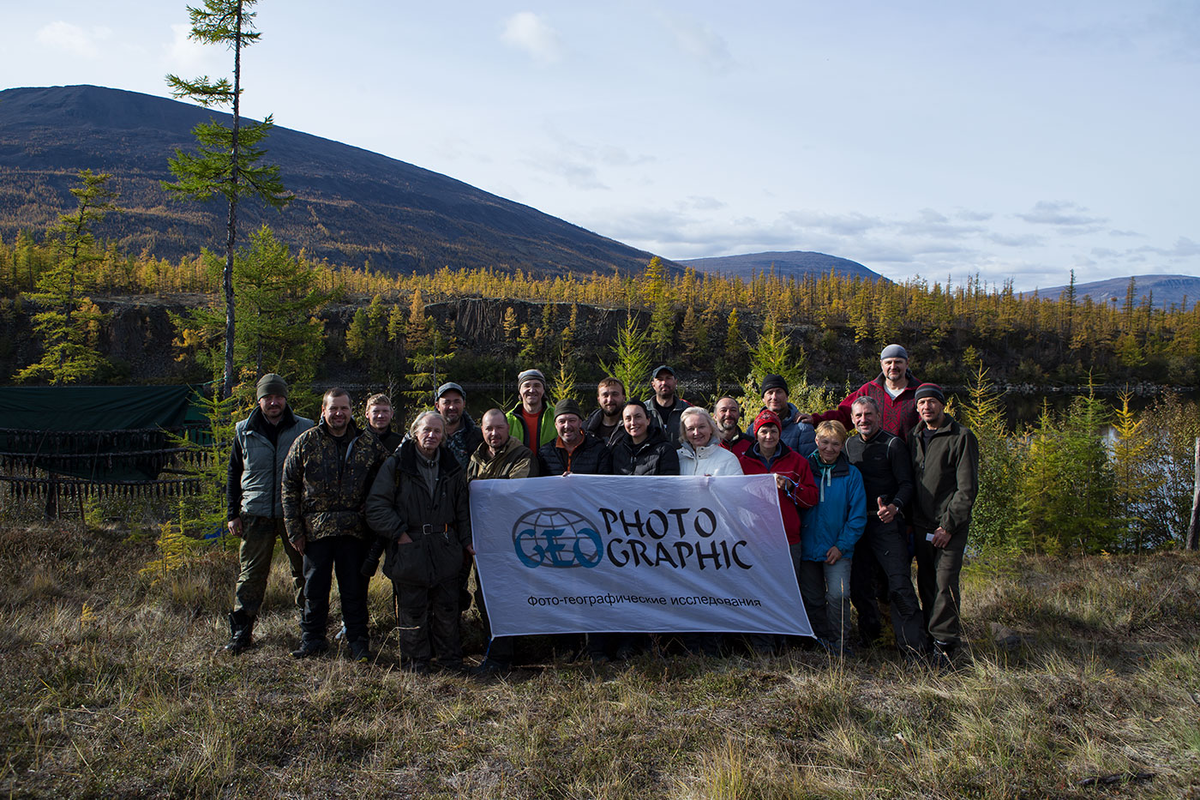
470,549
300,542
940,537
782,482
832,556
404,538
235,527
886,512
802,417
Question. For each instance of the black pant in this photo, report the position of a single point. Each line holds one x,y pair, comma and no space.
429,616
885,546
322,557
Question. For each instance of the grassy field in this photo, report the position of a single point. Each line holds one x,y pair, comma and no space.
114,685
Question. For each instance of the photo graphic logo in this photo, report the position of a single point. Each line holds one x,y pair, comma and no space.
560,538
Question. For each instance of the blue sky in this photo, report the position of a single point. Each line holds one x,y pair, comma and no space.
946,139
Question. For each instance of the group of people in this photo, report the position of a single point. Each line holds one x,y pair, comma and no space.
855,508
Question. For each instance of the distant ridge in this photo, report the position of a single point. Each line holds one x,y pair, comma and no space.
1166,290
352,206
793,263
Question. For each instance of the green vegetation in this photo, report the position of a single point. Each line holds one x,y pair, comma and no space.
227,161
114,684
69,324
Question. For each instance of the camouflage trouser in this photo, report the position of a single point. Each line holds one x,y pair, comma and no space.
429,614
255,553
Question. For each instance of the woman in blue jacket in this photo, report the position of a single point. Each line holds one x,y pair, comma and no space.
828,534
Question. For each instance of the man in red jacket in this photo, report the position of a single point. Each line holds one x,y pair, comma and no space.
894,390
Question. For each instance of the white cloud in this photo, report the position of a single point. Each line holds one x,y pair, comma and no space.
700,42
185,56
528,32
73,39
1061,213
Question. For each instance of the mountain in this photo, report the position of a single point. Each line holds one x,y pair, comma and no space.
351,205
794,263
1166,290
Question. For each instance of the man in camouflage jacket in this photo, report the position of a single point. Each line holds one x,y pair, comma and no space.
325,482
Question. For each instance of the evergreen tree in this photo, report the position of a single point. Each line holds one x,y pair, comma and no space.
1139,474
1067,486
662,309
994,517
366,338
278,302
429,354
632,362
732,362
227,161
69,325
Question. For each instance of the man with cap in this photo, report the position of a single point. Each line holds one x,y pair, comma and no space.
573,450
254,492
727,413
945,459
530,420
665,406
894,391
463,436
379,414
796,434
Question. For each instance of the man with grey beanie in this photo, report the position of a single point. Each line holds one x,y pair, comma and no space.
894,390
531,420
254,491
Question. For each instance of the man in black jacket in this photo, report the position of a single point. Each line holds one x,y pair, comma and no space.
665,407
945,458
379,414
573,450
463,436
886,470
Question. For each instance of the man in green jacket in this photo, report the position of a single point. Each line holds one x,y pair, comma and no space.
945,458
326,477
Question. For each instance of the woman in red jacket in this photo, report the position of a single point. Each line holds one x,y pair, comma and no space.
797,489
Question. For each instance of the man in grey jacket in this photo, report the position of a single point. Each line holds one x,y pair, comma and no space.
945,458
253,488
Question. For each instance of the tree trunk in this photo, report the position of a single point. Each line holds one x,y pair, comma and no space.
1193,534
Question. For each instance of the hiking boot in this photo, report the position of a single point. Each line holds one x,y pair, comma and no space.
240,627
360,650
311,649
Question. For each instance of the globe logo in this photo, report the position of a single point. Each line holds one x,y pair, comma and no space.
557,537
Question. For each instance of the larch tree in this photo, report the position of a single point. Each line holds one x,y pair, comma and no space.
69,323
226,163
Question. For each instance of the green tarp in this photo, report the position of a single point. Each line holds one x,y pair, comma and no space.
109,433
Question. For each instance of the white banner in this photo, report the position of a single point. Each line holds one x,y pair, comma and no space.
580,553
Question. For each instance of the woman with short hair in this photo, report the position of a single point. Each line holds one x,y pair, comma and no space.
700,452
827,538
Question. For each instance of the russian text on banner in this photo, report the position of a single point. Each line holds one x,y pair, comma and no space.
581,553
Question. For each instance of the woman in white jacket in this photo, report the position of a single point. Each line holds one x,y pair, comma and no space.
701,452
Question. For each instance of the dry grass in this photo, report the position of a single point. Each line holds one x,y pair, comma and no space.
113,687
